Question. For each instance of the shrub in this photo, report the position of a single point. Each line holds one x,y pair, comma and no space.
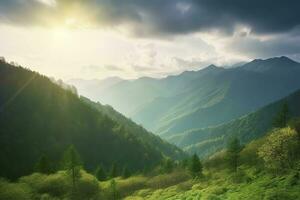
277,194
279,150
57,185
163,181
14,191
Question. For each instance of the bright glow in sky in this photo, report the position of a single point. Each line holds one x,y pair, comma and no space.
67,53
97,39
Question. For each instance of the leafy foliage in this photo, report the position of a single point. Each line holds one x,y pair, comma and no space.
280,149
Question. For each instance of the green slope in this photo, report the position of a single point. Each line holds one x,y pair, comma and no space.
39,117
206,141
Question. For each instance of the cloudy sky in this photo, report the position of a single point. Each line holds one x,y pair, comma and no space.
132,38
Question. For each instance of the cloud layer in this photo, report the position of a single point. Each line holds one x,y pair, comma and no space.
176,35
157,17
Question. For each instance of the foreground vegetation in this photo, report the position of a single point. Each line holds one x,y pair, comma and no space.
266,169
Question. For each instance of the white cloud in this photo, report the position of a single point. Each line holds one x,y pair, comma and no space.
51,3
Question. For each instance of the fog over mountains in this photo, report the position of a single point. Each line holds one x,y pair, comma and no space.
198,99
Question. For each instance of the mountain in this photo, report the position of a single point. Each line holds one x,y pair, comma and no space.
93,88
204,98
39,116
252,126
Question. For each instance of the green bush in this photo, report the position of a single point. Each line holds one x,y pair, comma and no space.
56,185
279,151
14,191
166,180
277,194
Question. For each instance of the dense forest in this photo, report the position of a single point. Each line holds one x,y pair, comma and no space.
41,117
265,169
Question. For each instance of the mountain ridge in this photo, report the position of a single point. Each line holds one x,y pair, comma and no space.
247,128
43,118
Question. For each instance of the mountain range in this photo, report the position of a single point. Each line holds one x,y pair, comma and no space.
201,99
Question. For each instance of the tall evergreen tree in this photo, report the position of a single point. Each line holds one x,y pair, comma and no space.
125,172
100,173
233,149
167,165
195,166
43,165
113,171
72,163
282,117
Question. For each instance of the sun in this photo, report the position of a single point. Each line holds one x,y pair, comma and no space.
70,21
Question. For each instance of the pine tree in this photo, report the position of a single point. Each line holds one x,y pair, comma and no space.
195,166
233,149
100,173
113,171
167,166
43,165
282,117
125,172
72,163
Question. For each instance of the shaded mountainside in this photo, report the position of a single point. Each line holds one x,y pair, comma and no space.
204,98
39,117
206,141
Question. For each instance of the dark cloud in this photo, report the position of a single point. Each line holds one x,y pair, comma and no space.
164,18
284,44
158,17
25,12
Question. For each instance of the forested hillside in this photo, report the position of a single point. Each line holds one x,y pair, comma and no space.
247,128
39,117
265,169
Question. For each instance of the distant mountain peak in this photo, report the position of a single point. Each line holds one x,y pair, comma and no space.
212,66
262,65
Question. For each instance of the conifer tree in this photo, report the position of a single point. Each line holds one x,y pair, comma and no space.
100,173
125,172
72,163
43,165
167,166
233,149
195,166
113,171
282,117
